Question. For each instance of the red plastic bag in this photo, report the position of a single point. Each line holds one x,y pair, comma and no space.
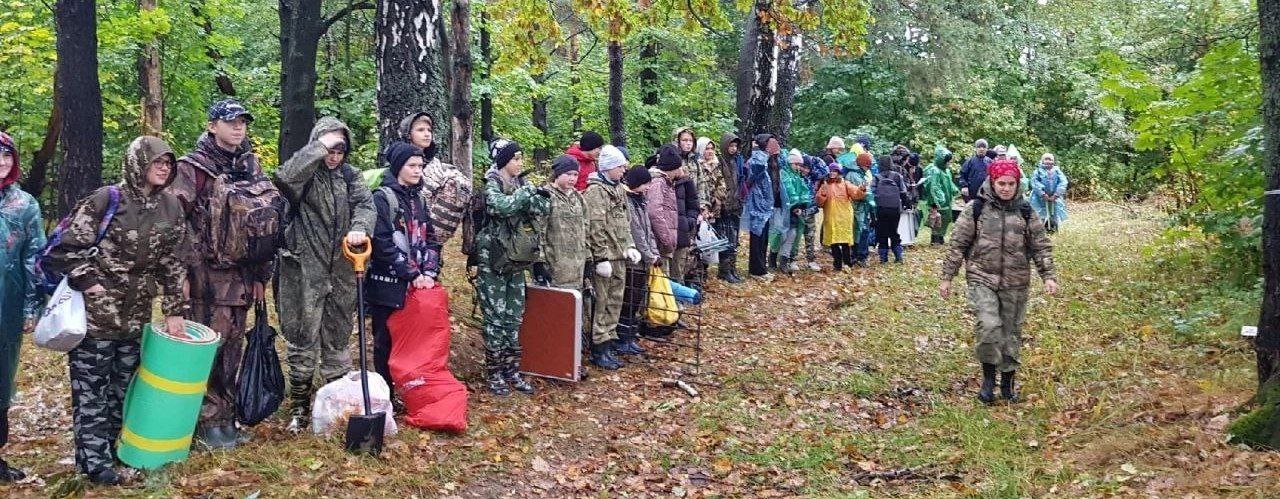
419,363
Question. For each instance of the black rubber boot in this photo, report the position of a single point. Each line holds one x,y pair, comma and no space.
9,473
105,476
1007,386
299,406
216,438
773,260
602,357
986,394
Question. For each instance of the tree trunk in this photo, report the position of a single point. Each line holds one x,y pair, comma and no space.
486,99
1261,428
149,81
220,77
77,46
410,75
575,109
760,77
461,90
785,93
35,176
617,127
746,64
300,30
539,119
649,97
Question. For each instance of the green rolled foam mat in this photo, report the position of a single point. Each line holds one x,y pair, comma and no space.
163,401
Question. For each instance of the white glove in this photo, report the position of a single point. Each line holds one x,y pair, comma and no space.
603,269
632,254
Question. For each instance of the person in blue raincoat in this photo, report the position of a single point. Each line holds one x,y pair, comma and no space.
21,239
1049,192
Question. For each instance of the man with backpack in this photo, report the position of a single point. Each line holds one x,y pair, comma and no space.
316,288
235,215
997,238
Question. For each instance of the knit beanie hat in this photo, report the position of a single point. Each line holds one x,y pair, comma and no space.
835,142
636,177
914,159
610,157
501,151
398,153
590,141
795,156
562,165
669,158
762,141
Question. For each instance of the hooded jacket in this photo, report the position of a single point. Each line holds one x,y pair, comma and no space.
889,187
688,210
1049,181
641,229
733,170
195,174
608,226
445,189
143,249
564,240
973,173
586,166
836,197
998,249
712,189
404,246
325,204
663,210
21,239
760,200
938,189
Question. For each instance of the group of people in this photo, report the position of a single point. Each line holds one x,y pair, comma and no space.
601,223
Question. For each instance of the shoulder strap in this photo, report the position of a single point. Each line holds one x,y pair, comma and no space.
977,209
393,202
113,205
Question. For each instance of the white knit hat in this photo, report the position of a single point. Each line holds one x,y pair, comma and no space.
795,156
835,142
610,158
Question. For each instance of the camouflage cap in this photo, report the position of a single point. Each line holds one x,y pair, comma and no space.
227,110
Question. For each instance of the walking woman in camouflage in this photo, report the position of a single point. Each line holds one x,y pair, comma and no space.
21,238
143,248
999,237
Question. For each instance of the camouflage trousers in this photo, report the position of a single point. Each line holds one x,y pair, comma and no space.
998,325
607,305
501,296
219,407
810,238
318,341
100,373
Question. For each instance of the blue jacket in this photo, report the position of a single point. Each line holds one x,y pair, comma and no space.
973,173
759,202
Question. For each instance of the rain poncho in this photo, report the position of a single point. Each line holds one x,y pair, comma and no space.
938,189
1049,181
21,238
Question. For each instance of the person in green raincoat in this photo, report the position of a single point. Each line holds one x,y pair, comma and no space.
857,170
21,239
788,220
937,193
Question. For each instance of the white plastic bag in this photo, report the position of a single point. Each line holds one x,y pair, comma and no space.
64,322
907,227
709,243
337,401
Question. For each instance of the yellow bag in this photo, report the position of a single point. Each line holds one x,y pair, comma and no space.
662,310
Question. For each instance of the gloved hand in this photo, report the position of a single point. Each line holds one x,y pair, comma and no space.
541,275
603,269
633,255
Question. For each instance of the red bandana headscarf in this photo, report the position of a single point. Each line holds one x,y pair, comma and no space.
1004,168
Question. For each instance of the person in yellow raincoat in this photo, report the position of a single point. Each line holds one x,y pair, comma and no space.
836,196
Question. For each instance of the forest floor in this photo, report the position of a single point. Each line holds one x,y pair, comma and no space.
823,384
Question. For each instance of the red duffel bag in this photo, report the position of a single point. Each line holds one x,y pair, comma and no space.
419,363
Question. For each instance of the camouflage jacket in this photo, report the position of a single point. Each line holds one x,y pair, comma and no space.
1000,247
512,202
565,236
608,225
144,247
711,187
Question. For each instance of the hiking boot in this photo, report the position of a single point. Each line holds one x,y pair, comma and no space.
986,394
603,358
629,347
299,406
814,267
9,473
105,476
518,383
1007,388
765,277
497,384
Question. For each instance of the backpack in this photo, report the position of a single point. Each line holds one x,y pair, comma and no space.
473,221
47,279
247,217
1025,210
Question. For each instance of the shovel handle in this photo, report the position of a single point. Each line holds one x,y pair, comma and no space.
359,260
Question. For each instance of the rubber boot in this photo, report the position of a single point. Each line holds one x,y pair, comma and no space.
512,373
215,438
897,253
883,251
986,394
9,473
299,406
733,270
603,358
494,374
773,260
1007,386
105,476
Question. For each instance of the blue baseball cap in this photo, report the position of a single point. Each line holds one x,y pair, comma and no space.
228,110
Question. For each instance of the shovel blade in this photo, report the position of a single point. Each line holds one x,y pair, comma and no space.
365,432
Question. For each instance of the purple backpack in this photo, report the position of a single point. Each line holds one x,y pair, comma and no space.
47,279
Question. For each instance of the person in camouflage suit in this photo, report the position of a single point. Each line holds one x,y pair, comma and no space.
609,245
143,248
564,233
316,286
21,239
220,297
998,237
510,203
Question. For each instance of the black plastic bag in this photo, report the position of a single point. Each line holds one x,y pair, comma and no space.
261,379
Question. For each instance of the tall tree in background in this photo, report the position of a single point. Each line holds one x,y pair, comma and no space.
411,76
486,97
81,101
615,18
779,119
149,80
460,92
1261,427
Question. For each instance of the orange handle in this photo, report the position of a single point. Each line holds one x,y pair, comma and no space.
359,261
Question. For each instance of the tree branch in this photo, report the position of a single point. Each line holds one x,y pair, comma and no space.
343,12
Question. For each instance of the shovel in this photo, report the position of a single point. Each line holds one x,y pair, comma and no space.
364,431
